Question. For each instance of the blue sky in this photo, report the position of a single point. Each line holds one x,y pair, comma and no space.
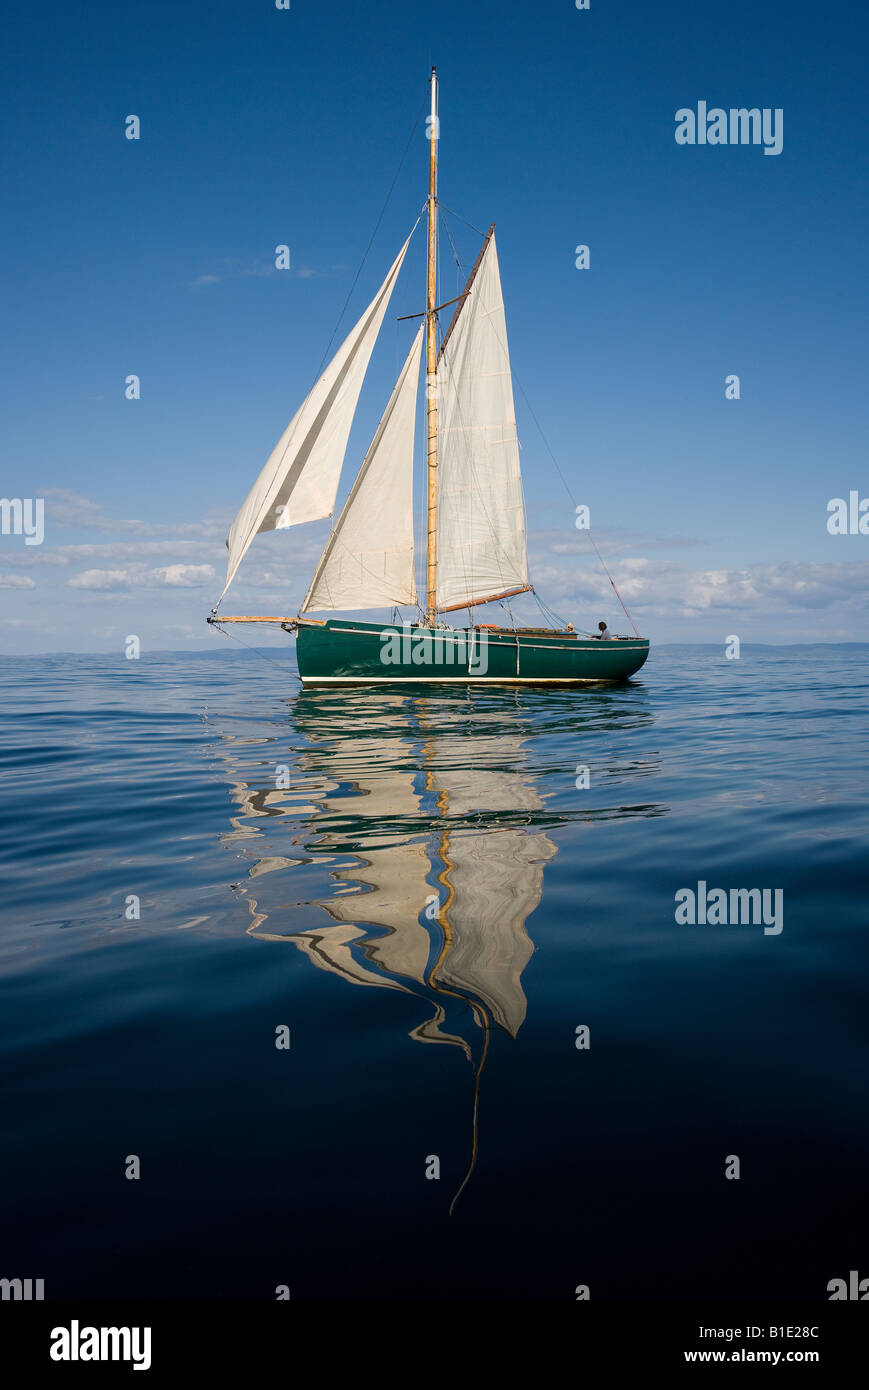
259,127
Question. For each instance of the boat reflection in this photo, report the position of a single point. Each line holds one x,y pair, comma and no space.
433,826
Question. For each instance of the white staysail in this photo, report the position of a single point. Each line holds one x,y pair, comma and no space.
368,559
300,478
480,516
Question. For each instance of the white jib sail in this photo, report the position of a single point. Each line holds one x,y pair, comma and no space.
480,518
368,559
300,478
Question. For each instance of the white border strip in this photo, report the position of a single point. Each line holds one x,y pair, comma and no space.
460,680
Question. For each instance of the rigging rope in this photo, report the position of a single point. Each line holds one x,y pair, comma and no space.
259,651
452,213
548,612
413,132
446,226
573,500
495,537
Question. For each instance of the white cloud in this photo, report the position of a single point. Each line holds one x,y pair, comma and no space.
260,269
103,581
667,588
136,557
140,577
184,576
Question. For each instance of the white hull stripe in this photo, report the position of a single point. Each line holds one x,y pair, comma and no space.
462,680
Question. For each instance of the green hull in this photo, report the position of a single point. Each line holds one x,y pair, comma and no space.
340,652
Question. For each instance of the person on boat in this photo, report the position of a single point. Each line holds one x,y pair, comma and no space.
604,634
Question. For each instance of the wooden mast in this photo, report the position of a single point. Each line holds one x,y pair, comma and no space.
431,359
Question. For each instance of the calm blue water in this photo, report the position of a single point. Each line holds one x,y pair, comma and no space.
414,885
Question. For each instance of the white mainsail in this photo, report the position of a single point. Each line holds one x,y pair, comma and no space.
368,559
480,516
300,478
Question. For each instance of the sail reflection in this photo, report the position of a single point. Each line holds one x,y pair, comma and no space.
450,903
433,827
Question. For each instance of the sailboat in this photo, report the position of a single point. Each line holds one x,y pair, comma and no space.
475,517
